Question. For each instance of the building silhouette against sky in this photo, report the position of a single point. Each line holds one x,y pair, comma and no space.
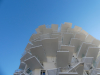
61,50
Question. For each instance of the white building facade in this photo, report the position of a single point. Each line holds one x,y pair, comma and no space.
67,51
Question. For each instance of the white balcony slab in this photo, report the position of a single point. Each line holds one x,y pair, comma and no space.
42,28
96,42
39,52
67,37
65,26
62,58
33,63
29,45
89,39
71,30
84,32
92,52
70,49
66,73
77,43
80,36
50,46
87,60
56,36
36,43
78,68
22,66
52,71
34,37
26,56
47,30
43,36
78,29
54,27
83,49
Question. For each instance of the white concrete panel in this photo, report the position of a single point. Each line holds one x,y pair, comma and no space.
89,39
92,52
66,73
96,42
42,28
70,49
47,30
56,36
80,36
22,65
83,49
87,60
33,63
53,71
39,52
50,46
43,36
67,37
77,43
26,56
78,68
51,59
65,26
36,43
78,29
54,27
49,65
84,32
34,36
62,58
29,45
70,30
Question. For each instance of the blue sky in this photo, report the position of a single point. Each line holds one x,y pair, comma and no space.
20,18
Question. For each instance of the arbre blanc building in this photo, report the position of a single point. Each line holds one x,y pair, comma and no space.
68,51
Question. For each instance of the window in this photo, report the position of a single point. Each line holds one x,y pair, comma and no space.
43,72
28,70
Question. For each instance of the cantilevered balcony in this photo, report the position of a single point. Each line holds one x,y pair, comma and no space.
22,66
62,58
39,52
65,26
67,38
83,49
50,46
29,45
78,68
35,37
80,36
70,49
33,63
89,39
92,52
54,27
77,43
26,56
